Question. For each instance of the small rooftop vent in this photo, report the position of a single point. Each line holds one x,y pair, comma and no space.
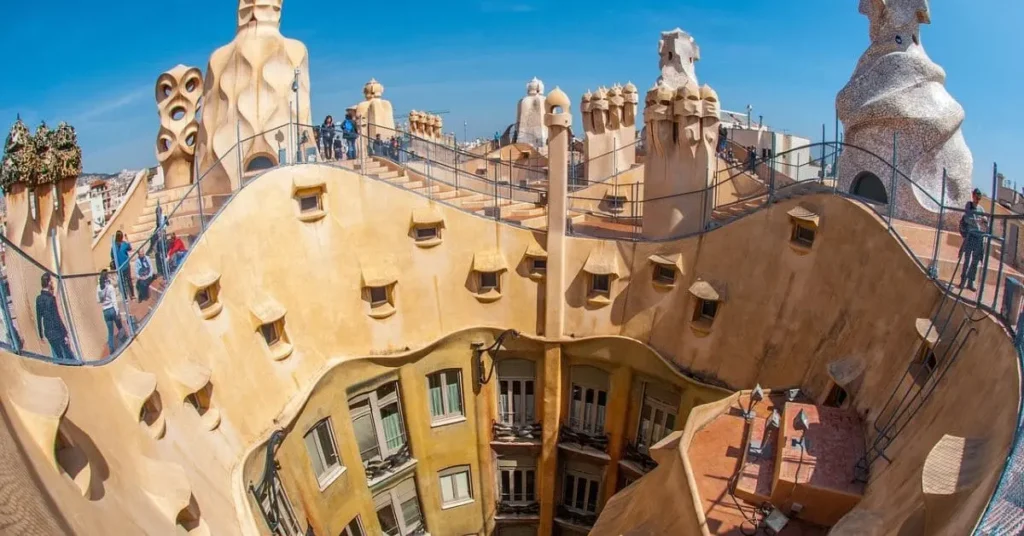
773,421
792,394
757,394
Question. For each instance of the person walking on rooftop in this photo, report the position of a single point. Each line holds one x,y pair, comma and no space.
327,135
971,249
120,252
48,322
108,302
350,132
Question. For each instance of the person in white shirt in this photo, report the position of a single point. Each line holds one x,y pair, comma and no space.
107,297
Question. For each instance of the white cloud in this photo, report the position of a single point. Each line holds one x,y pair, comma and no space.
112,106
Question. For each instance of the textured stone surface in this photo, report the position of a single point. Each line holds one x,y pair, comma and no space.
379,114
177,100
530,116
679,56
249,89
609,125
898,90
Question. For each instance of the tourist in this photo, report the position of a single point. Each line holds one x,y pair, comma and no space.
752,158
971,249
143,276
176,252
108,302
723,138
350,132
119,255
378,146
48,321
327,135
396,148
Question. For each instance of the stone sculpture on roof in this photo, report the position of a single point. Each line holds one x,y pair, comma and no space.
530,116
609,125
679,55
377,112
249,89
177,99
896,89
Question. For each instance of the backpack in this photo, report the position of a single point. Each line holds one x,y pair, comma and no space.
349,128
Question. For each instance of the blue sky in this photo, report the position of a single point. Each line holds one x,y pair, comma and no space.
788,59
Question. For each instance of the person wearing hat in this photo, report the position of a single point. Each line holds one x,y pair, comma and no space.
972,248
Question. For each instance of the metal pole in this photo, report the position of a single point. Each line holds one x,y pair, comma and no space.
430,183
933,270
497,173
63,291
999,273
615,172
456,167
771,172
835,150
12,333
238,150
892,187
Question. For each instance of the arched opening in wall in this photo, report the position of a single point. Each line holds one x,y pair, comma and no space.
151,415
868,186
190,521
260,162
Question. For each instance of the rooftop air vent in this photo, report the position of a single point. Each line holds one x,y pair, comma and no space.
792,394
773,421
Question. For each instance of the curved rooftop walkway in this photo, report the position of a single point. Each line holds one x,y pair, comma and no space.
440,179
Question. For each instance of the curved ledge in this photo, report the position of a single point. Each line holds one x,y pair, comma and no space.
703,290
203,279
190,377
488,297
167,487
927,331
312,216
428,243
266,311
537,276
598,300
41,402
383,311
799,247
211,311
211,419
845,370
701,327
302,182
281,350
661,285
138,388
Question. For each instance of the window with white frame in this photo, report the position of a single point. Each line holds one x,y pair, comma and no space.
323,452
517,480
354,528
516,398
279,512
445,390
456,487
580,491
657,420
398,509
377,421
588,400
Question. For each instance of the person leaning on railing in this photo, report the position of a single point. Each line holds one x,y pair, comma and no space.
175,253
327,135
48,322
350,132
972,247
119,254
108,302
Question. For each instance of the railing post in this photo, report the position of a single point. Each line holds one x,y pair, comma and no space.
999,273
238,150
892,187
429,180
63,291
497,175
12,332
771,172
933,269
457,167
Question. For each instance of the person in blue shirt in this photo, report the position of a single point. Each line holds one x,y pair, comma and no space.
972,247
350,133
119,254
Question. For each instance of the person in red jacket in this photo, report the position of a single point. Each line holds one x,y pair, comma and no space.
176,252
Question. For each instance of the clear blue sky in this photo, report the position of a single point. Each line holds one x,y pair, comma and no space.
94,64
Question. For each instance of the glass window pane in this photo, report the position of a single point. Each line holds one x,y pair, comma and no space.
366,438
592,497
581,493
391,421
506,486
602,405
447,489
517,481
462,485
327,444
670,423
529,417
567,486
530,483
314,454
454,393
388,521
411,513
503,398
436,402
517,399
354,529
